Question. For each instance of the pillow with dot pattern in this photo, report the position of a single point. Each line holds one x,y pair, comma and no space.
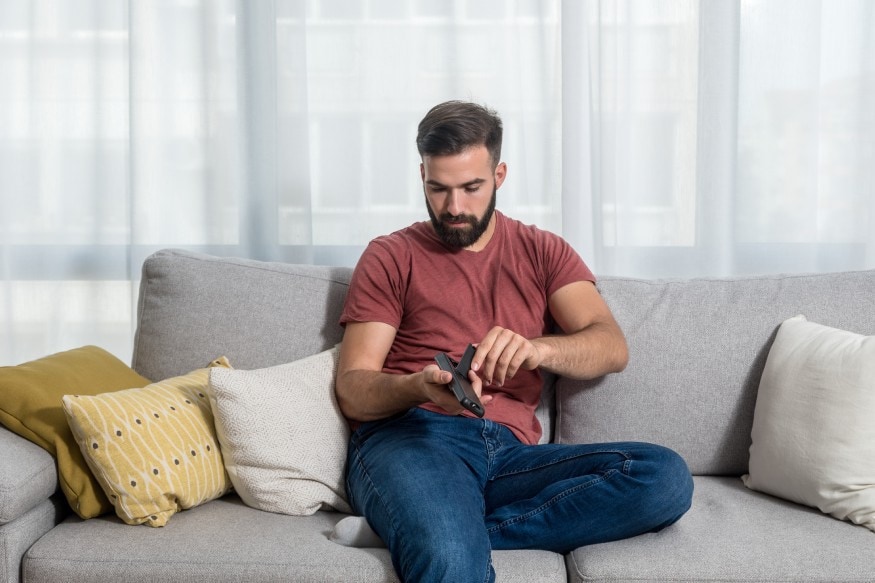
153,450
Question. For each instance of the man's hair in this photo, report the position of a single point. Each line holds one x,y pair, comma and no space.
454,126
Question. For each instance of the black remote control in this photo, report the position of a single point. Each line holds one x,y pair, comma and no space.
460,384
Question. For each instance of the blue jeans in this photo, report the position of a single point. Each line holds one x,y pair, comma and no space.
443,491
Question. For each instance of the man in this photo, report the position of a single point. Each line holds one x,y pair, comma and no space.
441,487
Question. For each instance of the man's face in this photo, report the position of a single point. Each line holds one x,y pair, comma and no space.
460,192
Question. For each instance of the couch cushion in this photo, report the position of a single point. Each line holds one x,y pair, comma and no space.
697,350
193,307
734,534
27,476
228,541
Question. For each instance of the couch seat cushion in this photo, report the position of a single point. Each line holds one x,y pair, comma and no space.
226,540
734,534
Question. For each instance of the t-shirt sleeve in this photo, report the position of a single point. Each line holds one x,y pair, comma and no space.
562,264
375,289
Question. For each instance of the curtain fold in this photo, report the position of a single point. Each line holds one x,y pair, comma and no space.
667,138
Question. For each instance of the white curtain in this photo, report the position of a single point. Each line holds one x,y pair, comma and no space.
722,137
662,138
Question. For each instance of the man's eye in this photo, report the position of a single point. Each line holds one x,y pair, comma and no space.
472,189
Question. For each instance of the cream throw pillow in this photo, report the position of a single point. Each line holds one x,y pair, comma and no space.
282,435
814,423
153,450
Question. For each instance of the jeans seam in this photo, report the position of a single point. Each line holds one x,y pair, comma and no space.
489,570
488,446
564,494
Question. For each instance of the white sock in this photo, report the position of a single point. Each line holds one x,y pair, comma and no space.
354,531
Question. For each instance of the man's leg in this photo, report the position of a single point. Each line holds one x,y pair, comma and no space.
559,497
416,480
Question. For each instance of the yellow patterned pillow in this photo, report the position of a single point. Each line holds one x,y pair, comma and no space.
153,450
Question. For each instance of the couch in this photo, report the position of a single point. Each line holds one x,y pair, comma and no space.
698,349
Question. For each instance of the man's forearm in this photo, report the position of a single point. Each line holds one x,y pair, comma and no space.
366,395
595,351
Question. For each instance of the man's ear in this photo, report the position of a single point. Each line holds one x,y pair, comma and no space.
500,174
422,171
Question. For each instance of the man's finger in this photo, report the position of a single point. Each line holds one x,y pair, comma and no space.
437,376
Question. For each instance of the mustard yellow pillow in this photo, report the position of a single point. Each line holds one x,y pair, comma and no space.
30,405
153,449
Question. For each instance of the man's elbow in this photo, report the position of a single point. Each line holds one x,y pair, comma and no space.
622,359
620,354
343,393
613,359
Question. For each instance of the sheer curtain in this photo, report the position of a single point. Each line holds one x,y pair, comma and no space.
721,138
662,138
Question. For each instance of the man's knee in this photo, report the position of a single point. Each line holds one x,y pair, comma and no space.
669,484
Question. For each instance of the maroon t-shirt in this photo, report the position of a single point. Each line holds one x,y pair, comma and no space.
440,299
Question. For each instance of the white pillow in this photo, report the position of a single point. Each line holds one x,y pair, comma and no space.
282,435
814,422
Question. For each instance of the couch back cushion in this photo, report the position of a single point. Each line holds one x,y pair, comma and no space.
193,307
697,351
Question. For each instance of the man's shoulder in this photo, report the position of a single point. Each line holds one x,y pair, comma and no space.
401,239
548,252
401,247
529,233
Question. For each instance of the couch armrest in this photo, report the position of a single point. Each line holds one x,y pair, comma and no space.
28,475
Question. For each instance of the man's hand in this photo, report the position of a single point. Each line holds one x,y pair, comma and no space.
591,343
502,353
436,385
364,393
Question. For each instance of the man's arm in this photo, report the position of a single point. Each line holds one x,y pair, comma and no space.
365,393
592,344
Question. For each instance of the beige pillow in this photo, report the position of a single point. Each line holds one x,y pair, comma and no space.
814,424
153,449
283,437
30,405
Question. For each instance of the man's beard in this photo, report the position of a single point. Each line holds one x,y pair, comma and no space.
462,237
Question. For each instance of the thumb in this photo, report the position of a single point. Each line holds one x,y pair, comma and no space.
433,374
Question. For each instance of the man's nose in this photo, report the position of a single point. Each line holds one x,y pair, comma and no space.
454,203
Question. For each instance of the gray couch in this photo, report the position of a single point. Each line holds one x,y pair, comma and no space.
697,351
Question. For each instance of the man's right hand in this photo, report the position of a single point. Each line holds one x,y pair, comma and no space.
365,393
437,389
